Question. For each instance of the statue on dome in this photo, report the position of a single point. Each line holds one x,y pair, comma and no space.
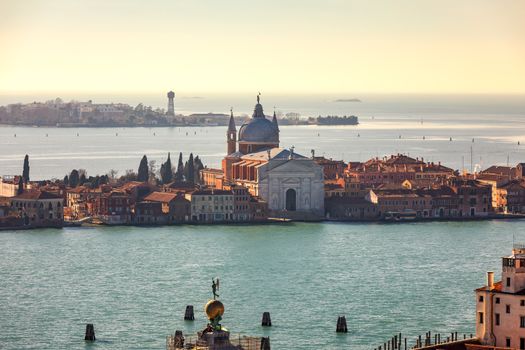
258,97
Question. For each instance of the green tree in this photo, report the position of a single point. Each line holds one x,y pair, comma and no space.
166,172
190,170
66,180
198,167
179,175
25,172
143,173
74,178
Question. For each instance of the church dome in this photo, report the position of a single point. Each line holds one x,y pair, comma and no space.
259,129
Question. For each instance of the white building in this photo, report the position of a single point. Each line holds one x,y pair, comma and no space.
211,205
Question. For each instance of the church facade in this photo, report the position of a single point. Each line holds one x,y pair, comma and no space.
291,184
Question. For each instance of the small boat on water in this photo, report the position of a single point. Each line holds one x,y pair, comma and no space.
408,215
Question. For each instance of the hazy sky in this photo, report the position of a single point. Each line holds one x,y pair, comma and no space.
277,46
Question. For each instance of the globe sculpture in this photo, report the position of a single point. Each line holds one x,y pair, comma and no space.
214,309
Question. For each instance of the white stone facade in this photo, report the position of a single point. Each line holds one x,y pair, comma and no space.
302,176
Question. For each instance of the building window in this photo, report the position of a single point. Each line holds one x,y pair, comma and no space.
508,281
522,343
507,342
497,300
507,309
497,319
522,302
522,321
480,298
480,317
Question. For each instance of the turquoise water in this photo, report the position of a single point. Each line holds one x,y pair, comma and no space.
134,283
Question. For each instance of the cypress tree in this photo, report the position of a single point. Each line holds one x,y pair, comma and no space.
179,175
20,188
190,175
74,178
66,180
25,172
143,173
166,173
198,167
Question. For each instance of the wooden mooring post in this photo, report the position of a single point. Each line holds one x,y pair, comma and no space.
178,340
90,332
266,320
341,325
265,343
188,315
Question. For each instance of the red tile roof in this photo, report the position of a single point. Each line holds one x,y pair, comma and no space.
37,195
163,197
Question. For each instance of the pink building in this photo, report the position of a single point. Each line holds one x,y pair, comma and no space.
500,306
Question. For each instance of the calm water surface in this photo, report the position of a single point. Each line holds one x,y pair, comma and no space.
134,283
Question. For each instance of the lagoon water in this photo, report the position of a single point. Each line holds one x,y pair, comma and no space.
134,283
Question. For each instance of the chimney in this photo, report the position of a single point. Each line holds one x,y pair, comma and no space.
490,280
313,154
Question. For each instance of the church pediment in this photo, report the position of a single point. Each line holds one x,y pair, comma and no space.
292,166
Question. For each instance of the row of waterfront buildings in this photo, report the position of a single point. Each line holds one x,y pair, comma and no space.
259,180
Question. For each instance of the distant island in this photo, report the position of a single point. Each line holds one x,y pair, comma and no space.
58,113
347,100
336,120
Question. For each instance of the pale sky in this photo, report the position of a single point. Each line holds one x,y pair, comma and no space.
277,46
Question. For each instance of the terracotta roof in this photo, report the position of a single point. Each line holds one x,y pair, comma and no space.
501,170
163,197
491,177
402,159
498,288
37,195
514,184
78,189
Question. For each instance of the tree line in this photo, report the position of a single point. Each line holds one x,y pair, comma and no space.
184,173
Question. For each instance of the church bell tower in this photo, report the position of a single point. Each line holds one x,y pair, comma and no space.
232,135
